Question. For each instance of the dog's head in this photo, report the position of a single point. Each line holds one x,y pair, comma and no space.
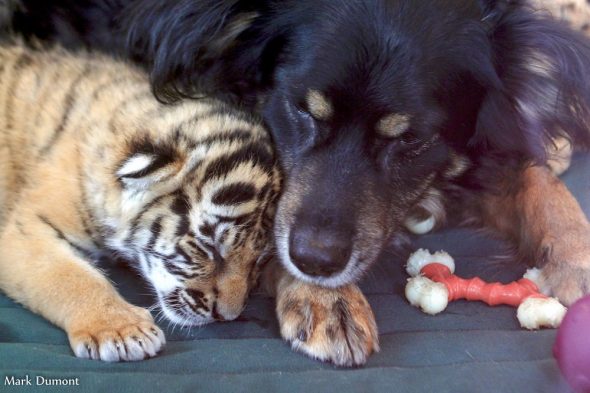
371,102
361,111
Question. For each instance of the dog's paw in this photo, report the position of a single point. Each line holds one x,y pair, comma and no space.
567,283
566,271
335,325
122,333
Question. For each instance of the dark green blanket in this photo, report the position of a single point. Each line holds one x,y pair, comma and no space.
468,348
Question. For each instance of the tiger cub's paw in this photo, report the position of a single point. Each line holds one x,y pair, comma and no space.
335,325
122,333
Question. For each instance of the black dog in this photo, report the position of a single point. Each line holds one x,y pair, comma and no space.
385,113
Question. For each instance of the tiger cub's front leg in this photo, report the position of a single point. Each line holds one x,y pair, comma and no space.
329,324
41,269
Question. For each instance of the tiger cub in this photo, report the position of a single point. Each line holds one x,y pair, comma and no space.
92,163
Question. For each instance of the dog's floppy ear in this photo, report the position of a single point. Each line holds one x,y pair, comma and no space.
196,48
545,82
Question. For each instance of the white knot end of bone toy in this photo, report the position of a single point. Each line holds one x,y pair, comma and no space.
432,297
537,312
428,290
423,257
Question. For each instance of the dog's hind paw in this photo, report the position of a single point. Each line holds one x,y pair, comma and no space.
568,283
335,325
566,273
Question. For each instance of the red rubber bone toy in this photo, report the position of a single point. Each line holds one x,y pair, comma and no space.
433,285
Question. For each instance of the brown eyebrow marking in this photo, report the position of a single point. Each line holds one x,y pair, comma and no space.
393,125
318,105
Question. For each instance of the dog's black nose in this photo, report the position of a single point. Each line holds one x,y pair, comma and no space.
319,252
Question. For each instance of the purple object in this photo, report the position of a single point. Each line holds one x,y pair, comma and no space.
572,346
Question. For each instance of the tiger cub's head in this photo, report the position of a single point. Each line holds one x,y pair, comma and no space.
196,204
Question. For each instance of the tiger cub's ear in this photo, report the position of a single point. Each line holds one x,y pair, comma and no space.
149,162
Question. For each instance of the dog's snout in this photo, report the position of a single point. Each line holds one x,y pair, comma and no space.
319,252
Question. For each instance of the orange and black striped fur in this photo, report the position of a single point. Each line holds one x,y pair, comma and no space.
92,163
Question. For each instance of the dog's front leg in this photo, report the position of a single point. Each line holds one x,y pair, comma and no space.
329,324
537,211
